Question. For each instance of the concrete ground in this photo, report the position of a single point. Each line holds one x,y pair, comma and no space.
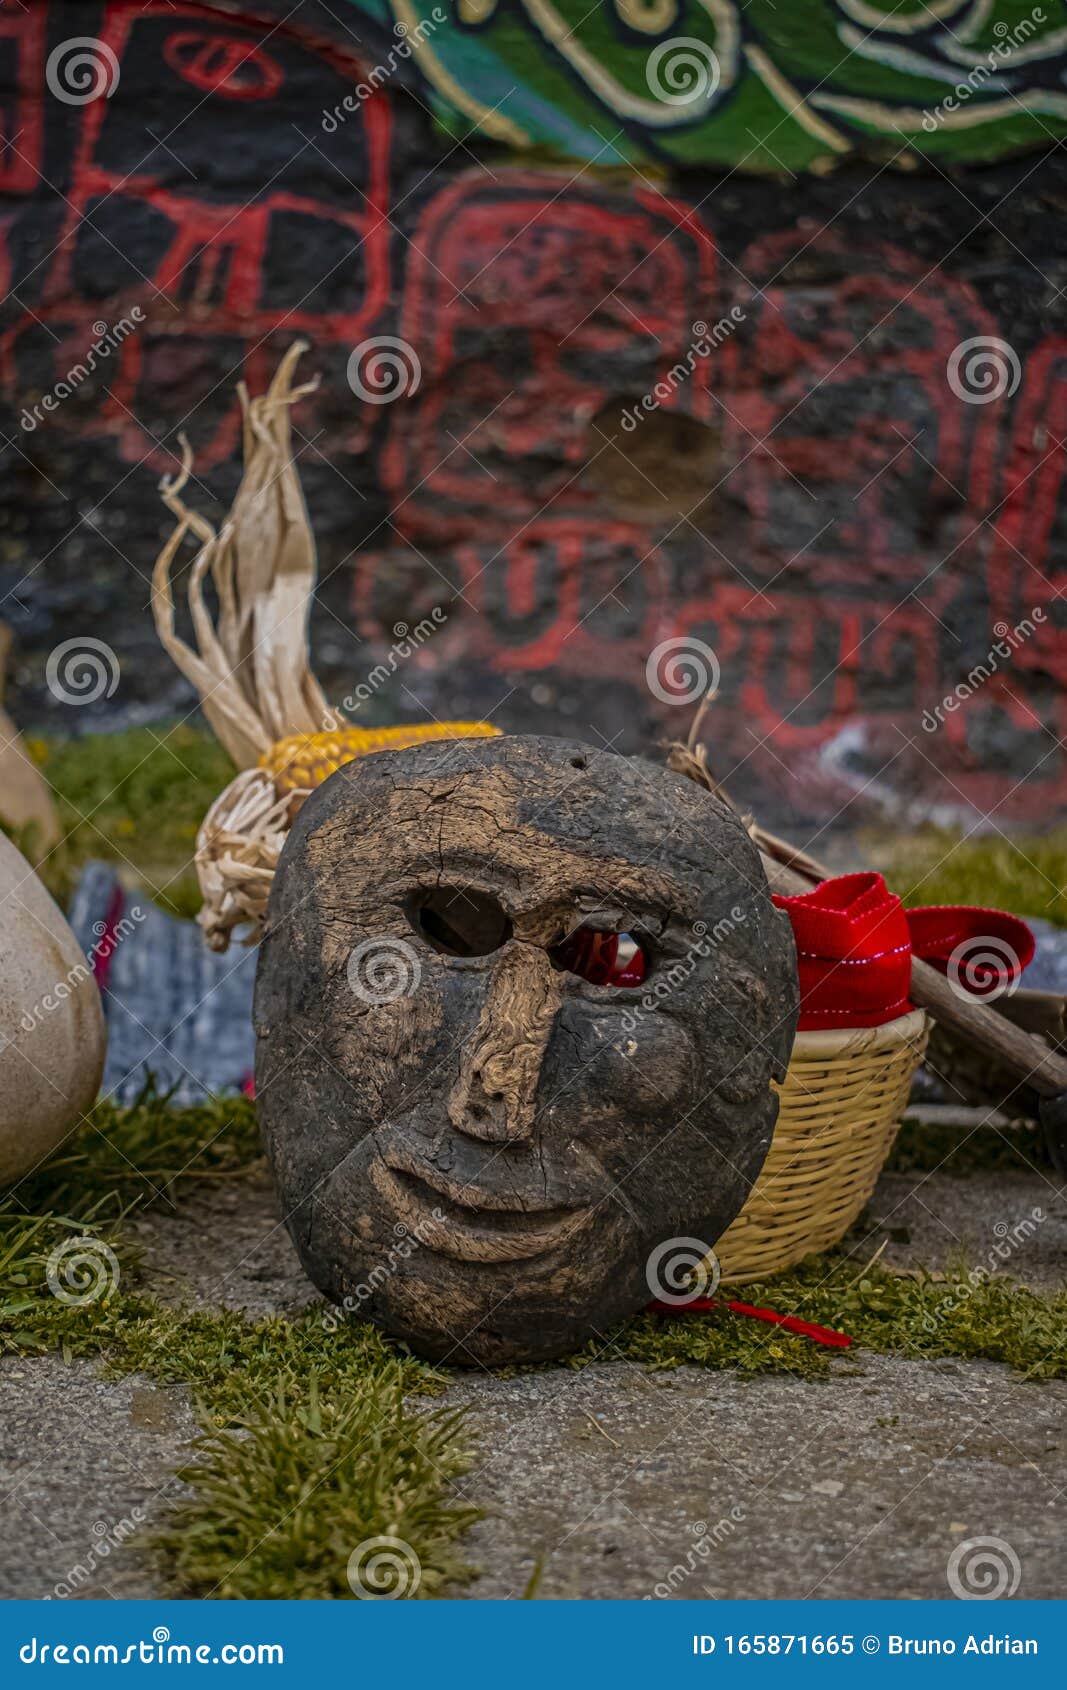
614,1481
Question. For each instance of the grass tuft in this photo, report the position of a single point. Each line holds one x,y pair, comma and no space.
1027,875
302,1501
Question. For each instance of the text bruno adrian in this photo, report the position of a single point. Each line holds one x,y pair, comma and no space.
845,1643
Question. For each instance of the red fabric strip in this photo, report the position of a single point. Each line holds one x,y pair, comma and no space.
603,958
807,1328
990,947
790,1322
855,943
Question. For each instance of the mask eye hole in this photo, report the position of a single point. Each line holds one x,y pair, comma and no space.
458,921
604,959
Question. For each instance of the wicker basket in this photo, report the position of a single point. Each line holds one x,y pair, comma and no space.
841,1103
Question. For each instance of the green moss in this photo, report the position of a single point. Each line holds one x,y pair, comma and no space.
930,1315
1027,875
136,799
233,1365
923,1146
719,1340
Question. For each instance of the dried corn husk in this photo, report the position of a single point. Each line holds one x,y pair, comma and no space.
252,668
237,851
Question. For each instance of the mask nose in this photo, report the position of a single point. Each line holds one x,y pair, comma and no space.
494,1098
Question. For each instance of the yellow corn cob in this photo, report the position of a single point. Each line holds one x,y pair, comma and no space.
304,761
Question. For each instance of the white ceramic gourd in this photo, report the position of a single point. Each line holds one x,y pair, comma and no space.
52,1034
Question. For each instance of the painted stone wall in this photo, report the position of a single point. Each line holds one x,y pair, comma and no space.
751,84
811,428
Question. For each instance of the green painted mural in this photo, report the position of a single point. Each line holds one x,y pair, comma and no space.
767,85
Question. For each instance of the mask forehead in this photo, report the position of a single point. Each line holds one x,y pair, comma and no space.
549,827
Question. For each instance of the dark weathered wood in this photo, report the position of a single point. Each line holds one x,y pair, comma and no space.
476,1149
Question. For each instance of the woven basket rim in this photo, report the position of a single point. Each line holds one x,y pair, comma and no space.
861,1041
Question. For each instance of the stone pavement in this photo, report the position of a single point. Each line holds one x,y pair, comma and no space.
610,1481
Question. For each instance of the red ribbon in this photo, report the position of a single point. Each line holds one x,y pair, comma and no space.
605,959
855,942
806,1328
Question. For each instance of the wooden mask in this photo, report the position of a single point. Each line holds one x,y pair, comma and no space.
518,1010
